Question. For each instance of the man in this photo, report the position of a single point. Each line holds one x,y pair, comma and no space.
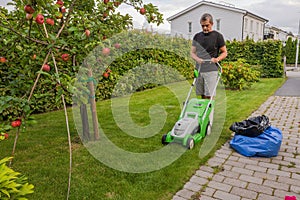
207,45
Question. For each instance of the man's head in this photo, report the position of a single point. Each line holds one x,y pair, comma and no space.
206,22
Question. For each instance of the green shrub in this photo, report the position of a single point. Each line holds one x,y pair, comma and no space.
271,62
12,184
238,75
267,54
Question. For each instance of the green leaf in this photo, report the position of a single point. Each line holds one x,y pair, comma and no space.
73,28
19,47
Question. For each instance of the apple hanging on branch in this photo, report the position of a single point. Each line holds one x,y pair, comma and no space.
87,32
50,21
142,11
39,19
28,9
150,12
46,68
28,16
33,57
59,3
65,57
105,75
16,123
2,59
106,51
117,3
3,136
117,45
63,10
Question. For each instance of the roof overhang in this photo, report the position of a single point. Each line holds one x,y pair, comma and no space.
230,8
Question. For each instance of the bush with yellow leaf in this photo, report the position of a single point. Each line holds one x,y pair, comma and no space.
239,75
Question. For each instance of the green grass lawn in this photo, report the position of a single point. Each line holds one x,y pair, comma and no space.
42,151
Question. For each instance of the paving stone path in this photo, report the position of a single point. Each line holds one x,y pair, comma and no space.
231,176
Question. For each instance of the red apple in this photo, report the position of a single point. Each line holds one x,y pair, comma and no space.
39,19
13,124
60,3
46,68
105,75
65,57
28,9
63,10
16,123
105,15
117,45
28,16
106,51
5,135
87,32
19,122
50,21
2,59
106,1
142,11
117,3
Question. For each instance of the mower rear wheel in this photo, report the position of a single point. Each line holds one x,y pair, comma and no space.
208,129
164,139
190,143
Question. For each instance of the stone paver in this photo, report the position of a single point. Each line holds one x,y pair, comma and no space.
244,178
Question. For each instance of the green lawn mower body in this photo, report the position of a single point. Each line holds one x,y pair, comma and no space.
195,120
193,126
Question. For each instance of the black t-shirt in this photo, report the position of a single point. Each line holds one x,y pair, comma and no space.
207,47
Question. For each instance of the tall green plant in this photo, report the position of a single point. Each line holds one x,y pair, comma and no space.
289,50
272,65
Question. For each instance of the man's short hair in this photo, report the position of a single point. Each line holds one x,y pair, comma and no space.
207,16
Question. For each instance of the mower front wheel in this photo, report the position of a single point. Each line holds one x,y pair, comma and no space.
164,139
190,143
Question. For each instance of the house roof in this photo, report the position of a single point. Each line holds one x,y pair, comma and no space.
231,8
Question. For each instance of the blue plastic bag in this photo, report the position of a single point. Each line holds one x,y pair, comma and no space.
266,144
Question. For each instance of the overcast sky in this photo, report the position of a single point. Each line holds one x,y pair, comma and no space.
284,14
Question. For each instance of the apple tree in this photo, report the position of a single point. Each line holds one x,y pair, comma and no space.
44,42
67,29
38,36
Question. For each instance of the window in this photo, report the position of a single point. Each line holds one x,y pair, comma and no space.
251,26
218,24
246,24
257,27
190,27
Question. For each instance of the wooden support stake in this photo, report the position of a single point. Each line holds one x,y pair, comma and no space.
14,147
93,106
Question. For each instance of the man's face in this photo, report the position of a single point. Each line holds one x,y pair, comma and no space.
206,26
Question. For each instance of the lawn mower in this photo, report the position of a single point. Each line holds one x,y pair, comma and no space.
195,120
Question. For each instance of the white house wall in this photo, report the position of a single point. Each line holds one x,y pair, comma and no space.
253,28
230,22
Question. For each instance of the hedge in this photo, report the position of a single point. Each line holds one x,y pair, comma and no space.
266,54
